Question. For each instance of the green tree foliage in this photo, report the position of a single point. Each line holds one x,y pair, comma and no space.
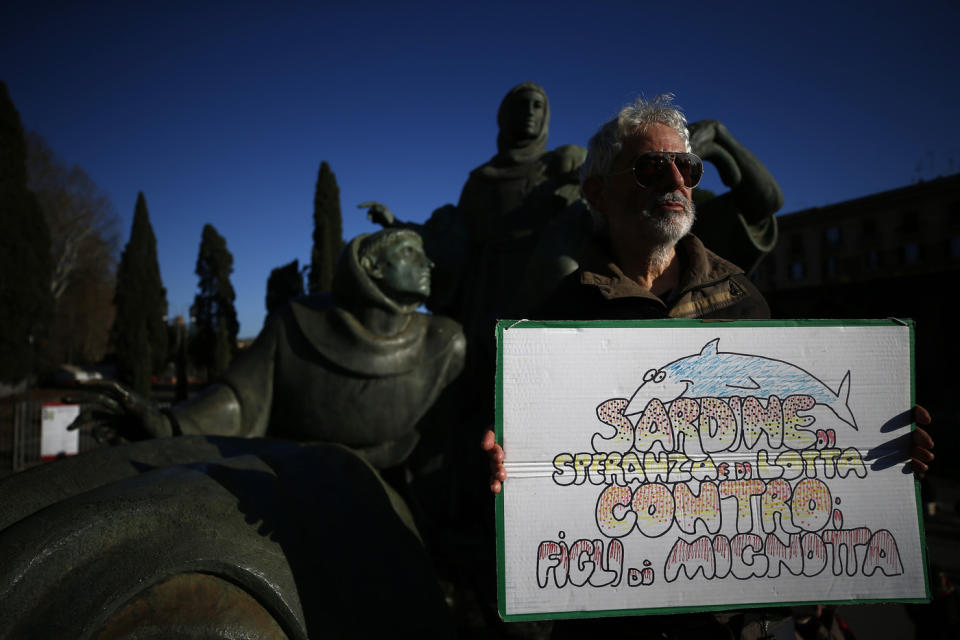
214,316
284,283
25,298
139,329
327,230
84,235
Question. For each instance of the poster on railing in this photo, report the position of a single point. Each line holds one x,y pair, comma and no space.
55,439
666,466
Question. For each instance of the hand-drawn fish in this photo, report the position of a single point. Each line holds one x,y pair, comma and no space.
716,374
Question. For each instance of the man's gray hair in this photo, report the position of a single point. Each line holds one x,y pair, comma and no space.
634,118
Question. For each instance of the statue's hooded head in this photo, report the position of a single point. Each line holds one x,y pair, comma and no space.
387,269
524,119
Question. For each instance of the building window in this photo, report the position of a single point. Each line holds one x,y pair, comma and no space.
953,249
911,253
910,222
953,215
873,259
869,228
796,271
831,266
796,243
833,236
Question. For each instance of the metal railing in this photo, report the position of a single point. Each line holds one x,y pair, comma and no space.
27,430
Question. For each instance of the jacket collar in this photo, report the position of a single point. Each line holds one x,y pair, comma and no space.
702,265
701,268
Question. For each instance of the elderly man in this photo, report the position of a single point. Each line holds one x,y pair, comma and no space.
642,261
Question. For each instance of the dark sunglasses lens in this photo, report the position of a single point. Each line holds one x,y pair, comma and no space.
691,168
652,167
649,168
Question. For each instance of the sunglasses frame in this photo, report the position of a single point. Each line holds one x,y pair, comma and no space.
670,155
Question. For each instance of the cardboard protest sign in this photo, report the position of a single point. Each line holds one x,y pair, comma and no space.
664,466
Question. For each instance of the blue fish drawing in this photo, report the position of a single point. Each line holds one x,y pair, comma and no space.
716,374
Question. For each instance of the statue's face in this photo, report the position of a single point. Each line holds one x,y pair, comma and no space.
525,114
403,270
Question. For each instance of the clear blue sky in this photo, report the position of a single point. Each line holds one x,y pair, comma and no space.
222,112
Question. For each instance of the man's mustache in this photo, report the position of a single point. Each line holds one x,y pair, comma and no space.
674,196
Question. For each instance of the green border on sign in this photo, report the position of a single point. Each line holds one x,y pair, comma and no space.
505,325
498,417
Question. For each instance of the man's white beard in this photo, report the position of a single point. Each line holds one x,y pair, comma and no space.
665,230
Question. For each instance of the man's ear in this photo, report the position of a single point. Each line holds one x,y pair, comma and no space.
593,192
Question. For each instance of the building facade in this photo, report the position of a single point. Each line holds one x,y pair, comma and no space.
908,232
892,254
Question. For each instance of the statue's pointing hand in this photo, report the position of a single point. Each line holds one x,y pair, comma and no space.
111,411
712,142
756,194
378,213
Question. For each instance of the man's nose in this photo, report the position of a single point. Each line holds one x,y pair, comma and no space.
673,177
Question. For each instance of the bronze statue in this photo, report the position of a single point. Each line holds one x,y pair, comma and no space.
483,245
360,370
212,537
740,224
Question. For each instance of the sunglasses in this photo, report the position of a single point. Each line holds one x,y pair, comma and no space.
652,168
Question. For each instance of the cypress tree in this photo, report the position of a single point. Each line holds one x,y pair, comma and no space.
327,230
139,330
284,283
25,261
214,316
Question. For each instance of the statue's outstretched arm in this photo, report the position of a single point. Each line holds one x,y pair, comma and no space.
111,411
241,402
215,411
738,225
755,191
238,405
